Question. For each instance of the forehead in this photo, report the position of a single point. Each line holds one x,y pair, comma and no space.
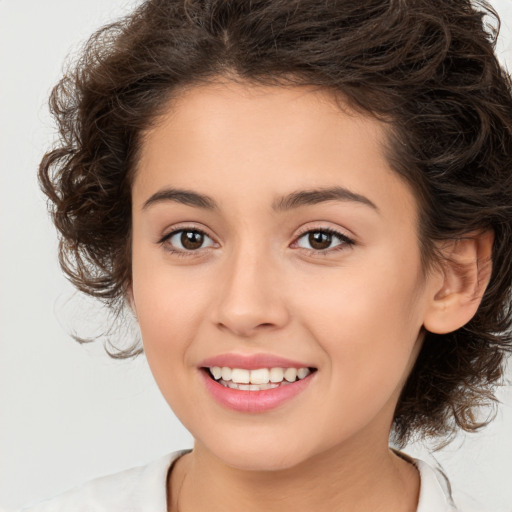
232,138
261,116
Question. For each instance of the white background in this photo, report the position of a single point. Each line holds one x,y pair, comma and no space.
69,412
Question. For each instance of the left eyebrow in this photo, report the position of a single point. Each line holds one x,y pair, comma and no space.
321,195
187,197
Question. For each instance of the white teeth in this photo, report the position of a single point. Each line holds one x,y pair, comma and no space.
260,376
226,373
216,372
303,372
290,374
268,386
276,374
240,376
252,380
249,387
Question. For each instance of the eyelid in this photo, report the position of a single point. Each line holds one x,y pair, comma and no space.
324,226
184,226
345,239
184,252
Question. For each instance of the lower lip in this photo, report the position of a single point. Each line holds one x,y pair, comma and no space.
254,401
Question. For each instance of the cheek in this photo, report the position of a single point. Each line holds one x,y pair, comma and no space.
368,324
168,315
168,307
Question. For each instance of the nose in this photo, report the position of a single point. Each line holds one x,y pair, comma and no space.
251,296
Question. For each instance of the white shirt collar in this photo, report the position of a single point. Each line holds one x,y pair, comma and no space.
435,495
143,489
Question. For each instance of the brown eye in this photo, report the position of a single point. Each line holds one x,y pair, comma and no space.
191,240
188,240
322,240
319,240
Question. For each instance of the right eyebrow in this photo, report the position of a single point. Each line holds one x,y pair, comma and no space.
182,196
321,195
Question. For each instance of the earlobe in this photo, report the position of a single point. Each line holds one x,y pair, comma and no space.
461,281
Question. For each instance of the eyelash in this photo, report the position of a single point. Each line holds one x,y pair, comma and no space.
181,252
343,239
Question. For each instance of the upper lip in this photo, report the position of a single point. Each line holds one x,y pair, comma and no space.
252,361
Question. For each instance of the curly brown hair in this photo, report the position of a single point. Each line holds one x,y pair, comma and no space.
425,67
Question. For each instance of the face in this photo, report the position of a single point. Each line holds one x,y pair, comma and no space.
270,232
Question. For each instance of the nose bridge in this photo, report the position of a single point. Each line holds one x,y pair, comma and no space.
250,297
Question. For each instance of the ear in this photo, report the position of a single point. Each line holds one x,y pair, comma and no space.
462,278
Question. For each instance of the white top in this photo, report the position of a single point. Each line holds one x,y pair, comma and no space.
143,489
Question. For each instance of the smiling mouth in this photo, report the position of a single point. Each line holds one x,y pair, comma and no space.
257,380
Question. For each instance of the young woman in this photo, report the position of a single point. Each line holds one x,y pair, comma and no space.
308,207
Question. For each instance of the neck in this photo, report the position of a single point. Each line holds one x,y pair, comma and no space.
355,479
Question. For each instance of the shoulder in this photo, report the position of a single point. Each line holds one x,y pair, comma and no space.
141,489
436,491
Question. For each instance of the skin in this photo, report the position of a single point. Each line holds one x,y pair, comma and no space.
355,311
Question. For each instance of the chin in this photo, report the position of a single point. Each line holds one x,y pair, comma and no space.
256,456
